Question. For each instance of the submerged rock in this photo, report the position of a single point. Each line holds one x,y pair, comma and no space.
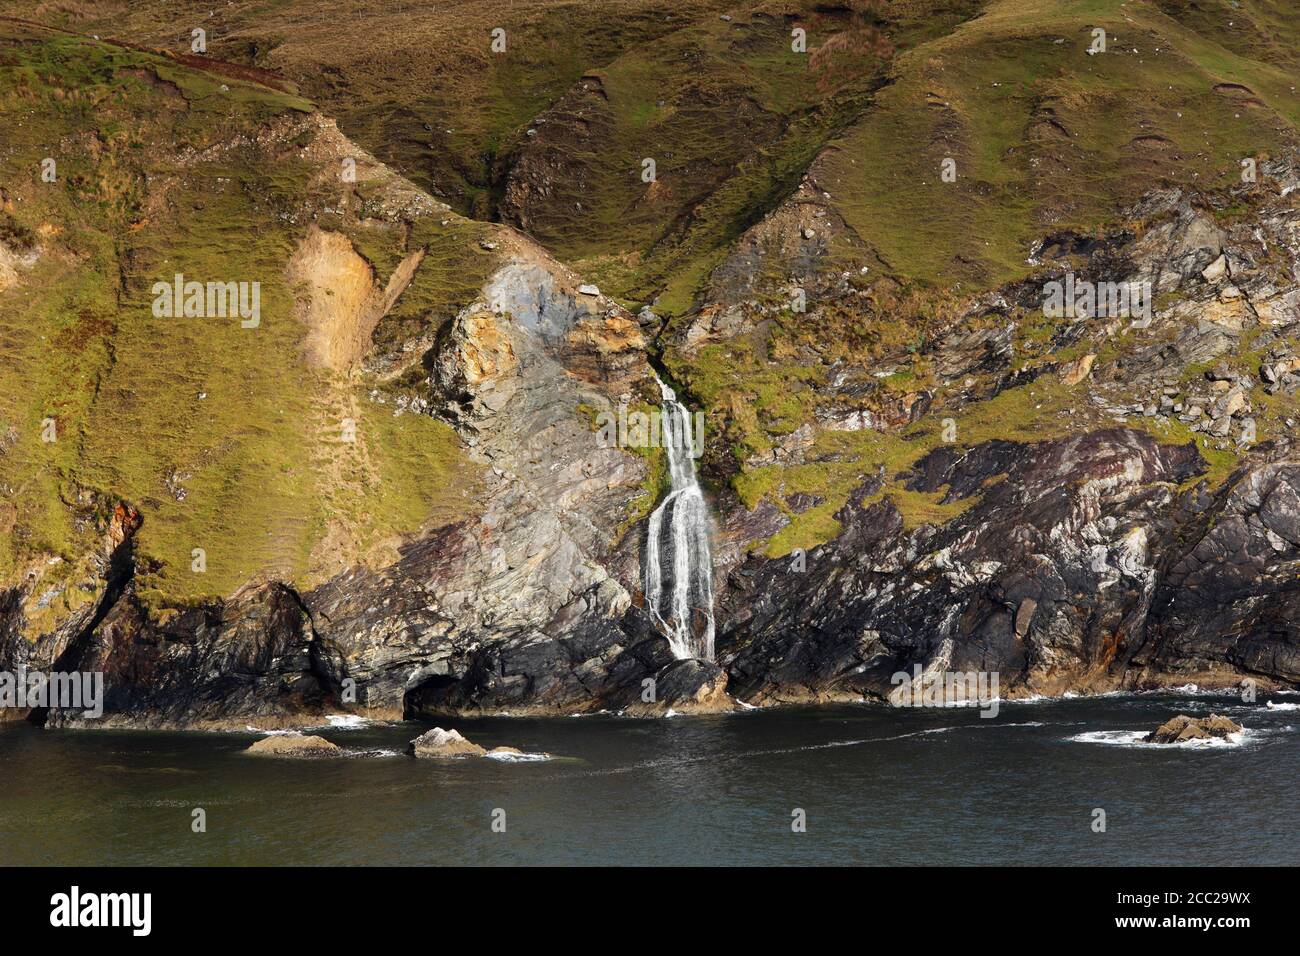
294,745
443,743
515,755
1183,728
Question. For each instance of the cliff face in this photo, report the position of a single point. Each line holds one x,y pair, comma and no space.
1098,560
1082,568
393,498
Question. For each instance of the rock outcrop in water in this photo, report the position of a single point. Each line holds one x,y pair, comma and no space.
443,743
294,745
1182,728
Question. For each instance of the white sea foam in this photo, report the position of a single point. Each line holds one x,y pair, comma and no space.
1136,738
348,721
333,722
1032,699
519,758
1272,706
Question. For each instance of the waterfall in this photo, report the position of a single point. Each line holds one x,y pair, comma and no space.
688,587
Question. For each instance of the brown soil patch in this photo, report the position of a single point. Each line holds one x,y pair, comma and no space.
343,301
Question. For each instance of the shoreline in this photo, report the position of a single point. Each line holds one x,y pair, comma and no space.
352,720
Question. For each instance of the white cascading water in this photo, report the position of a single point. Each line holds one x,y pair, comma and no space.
688,586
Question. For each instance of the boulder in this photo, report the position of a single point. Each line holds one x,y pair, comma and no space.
294,745
443,743
1183,728
1216,270
1072,373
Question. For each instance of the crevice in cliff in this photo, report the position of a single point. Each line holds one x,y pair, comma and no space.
119,574
330,683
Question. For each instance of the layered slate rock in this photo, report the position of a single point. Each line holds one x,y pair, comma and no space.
682,687
1068,570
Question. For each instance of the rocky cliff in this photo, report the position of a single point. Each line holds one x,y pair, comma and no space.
400,503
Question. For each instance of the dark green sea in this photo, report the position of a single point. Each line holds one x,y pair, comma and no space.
878,786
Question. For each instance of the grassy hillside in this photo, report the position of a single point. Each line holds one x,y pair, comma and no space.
1047,133
415,82
222,435
1047,137
1044,135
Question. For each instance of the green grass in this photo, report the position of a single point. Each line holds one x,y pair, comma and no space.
987,94
1045,138
221,435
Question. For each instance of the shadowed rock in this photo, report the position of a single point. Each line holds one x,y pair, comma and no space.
685,687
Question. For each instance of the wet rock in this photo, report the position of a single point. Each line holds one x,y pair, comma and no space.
294,745
443,743
1087,528
684,687
1183,728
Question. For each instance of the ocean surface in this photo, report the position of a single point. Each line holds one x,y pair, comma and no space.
877,786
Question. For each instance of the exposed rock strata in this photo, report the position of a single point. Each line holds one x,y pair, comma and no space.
1089,562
